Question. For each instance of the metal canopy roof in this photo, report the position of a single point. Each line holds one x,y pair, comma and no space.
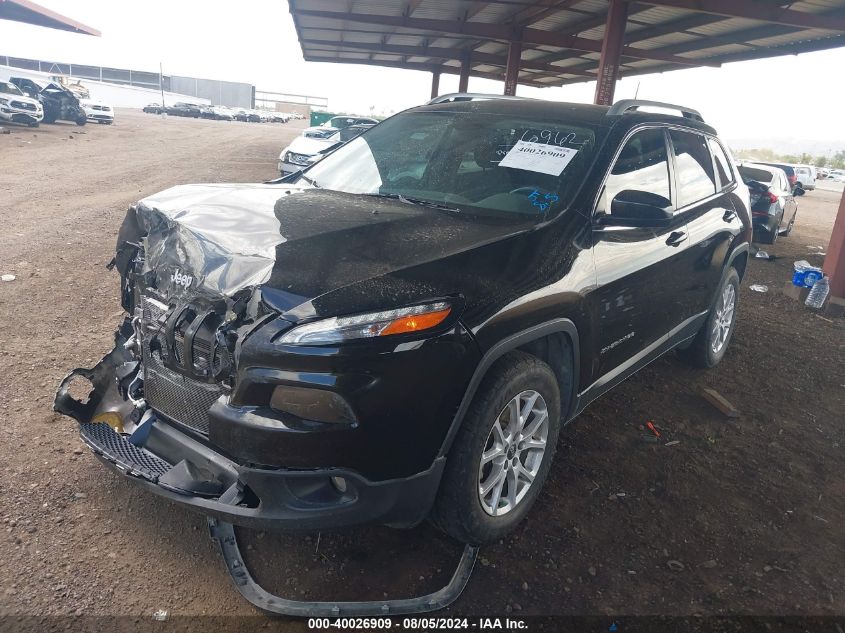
31,13
561,39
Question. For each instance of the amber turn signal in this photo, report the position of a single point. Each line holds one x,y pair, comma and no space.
416,322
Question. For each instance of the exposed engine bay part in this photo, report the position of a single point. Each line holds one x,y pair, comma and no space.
224,535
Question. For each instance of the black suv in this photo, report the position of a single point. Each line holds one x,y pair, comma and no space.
399,331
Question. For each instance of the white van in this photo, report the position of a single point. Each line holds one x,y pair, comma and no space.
806,176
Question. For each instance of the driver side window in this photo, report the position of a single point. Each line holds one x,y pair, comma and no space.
642,165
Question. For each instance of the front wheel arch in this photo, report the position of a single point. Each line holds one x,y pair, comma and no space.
523,341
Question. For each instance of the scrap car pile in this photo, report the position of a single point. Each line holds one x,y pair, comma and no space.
31,102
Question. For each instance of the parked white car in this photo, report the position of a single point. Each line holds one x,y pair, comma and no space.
304,151
334,124
97,111
806,175
16,107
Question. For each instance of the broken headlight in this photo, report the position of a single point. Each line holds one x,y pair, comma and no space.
369,325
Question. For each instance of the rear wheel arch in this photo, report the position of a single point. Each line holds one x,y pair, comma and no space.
740,263
550,341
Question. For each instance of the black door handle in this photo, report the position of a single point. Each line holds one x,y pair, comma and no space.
729,215
675,238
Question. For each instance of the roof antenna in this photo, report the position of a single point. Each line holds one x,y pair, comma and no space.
637,91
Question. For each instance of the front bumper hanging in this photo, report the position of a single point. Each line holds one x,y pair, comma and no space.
224,535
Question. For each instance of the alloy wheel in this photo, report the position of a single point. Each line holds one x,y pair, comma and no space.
513,453
724,319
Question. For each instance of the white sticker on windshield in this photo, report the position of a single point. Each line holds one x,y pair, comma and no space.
540,157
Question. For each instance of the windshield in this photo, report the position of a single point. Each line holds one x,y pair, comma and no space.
481,163
10,89
340,122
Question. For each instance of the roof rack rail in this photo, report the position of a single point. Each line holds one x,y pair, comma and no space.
621,107
472,96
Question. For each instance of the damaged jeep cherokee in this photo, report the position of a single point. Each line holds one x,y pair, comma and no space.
399,331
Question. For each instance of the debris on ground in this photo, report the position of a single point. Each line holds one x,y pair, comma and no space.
759,288
718,400
161,615
5,130
652,428
675,565
764,255
8,277
805,274
673,443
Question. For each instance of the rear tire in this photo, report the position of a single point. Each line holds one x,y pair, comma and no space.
790,225
502,453
705,351
771,238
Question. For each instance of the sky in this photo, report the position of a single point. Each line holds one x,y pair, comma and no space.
794,102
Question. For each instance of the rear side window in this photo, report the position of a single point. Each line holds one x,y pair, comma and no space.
723,169
693,167
760,175
642,165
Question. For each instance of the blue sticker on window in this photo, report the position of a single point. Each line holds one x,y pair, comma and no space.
543,200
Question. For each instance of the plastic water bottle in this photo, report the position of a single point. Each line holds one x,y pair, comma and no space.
818,294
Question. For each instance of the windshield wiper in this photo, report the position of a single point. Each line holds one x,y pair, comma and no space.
411,200
310,181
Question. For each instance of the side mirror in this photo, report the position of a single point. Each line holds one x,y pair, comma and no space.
798,191
631,207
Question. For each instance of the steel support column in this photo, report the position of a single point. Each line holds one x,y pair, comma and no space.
834,261
435,83
512,69
463,81
611,48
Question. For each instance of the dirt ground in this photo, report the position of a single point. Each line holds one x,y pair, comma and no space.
740,516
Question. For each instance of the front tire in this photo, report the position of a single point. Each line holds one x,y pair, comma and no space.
502,453
710,344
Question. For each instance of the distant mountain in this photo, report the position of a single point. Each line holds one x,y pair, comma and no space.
789,145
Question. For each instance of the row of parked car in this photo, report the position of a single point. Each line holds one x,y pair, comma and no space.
220,113
772,188
30,102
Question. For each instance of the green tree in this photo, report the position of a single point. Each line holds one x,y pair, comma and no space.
819,161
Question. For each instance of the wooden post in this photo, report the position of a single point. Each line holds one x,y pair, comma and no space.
512,69
834,261
435,83
611,49
463,81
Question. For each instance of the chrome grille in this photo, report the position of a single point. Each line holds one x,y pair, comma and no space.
23,105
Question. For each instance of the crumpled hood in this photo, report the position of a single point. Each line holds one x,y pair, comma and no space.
297,243
212,239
